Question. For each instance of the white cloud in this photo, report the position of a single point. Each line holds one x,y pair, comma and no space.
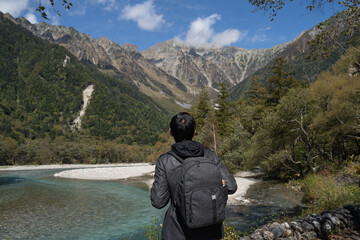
55,20
15,8
144,14
228,37
259,38
202,34
108,4
31,17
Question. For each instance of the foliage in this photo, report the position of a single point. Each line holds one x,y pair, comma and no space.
209,136
162,146
234,149
153,230
275,5
203,109
291,130
230,233
41,8
326,193
279,83
61,151
223,110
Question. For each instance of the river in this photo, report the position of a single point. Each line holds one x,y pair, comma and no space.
36,205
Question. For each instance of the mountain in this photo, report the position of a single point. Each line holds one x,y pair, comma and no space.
301,58
171,72
168,70
46,91
207,67
113,59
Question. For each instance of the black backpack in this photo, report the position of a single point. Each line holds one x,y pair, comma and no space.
201,194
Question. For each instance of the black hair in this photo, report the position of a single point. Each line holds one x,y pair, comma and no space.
182,127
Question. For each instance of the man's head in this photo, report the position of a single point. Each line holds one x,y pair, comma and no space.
182,127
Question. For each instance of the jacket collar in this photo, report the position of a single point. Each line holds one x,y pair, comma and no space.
187,149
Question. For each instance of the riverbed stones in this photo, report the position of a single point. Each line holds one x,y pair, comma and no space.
311,227
267,235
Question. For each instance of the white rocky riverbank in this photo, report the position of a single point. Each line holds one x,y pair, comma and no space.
124,171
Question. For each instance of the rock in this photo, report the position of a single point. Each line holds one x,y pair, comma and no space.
287,233
309,235
317,226
256,236
298,235
285,225
326,228
268,235
277,231
327,215
312,226
296,227
335,221
307,226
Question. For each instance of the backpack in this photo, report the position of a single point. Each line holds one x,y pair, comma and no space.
200,194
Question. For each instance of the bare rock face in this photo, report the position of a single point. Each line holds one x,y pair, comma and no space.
210,66
130,47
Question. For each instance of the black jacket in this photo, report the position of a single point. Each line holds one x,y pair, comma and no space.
164,187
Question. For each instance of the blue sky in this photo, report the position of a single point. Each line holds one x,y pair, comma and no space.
194,22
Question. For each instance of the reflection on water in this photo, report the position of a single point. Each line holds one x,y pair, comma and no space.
35,205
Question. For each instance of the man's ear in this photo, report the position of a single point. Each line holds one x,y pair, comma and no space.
170,132
194,132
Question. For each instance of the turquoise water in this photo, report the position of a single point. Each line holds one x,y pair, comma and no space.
35,205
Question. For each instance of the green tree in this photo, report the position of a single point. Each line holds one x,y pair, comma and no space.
202,109
280,82
223,110
257,94
209,136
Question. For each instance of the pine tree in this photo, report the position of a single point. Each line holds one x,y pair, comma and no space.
202,110
281,81
223,110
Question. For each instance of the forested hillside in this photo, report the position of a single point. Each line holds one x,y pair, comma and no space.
41,96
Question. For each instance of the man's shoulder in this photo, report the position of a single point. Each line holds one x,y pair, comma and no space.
168,160
211,155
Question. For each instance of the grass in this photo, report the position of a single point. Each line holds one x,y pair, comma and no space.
322,191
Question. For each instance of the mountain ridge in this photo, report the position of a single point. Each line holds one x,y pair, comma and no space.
176,72
173,71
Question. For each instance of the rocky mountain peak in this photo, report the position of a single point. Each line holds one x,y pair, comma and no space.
130,47
209,66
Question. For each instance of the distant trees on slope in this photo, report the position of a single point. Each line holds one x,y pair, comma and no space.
288,128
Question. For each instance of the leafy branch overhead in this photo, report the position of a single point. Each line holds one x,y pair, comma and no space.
42,9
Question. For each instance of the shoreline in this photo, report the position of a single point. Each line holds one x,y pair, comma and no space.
68,166
124,171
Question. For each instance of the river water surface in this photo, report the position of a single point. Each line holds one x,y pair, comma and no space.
36,205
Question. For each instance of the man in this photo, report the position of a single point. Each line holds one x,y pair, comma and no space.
183,128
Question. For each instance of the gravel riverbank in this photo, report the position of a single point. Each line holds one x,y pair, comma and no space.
123,171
